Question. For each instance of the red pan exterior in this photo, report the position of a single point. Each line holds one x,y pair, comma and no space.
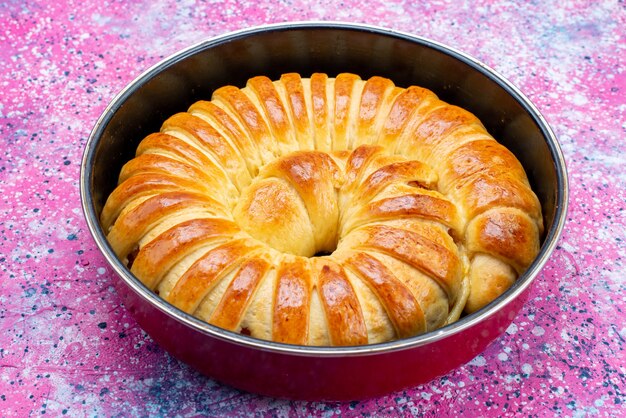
337,378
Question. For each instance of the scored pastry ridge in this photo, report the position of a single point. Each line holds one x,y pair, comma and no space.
324,211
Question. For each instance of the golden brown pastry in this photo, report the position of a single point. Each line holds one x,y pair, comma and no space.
324,211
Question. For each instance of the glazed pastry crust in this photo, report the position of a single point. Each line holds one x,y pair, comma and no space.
324,211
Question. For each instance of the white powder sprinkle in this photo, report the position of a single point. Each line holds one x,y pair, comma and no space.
538,331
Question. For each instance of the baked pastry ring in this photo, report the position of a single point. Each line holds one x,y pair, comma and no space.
324,211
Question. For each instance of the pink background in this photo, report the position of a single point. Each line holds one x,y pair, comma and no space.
67,345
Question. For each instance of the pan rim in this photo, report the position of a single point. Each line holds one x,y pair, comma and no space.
523,282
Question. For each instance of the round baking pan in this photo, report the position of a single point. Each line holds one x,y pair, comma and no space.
321,373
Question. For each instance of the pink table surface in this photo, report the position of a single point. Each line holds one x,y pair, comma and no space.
68,346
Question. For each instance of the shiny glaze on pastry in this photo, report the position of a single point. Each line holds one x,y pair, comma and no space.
324,211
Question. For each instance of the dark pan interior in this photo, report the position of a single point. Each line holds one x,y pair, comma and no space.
195,74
